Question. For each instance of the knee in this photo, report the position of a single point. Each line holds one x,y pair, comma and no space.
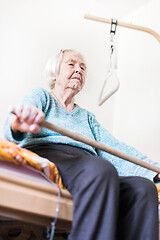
100,168
146,189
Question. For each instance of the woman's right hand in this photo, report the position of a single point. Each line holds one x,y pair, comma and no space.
26,119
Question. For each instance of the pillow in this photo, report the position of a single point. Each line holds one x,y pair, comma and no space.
12,153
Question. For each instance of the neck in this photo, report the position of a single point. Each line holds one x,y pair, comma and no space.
65,99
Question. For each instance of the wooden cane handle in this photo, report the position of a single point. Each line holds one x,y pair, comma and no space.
97,145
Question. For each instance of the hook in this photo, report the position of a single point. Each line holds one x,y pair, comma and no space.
113,26
113,29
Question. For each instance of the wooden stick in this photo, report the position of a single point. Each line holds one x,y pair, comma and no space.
99,146
122,24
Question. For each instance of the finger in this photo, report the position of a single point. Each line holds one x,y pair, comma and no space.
40,117
34,128
14,122
25,113
24,127
18,110
31,113
36,115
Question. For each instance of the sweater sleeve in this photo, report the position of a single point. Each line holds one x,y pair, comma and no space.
124,168
36,97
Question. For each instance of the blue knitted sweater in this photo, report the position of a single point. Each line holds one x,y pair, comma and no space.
80,121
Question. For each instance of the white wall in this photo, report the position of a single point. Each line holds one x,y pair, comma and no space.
137,111
33,30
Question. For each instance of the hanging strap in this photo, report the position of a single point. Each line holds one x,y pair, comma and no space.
111,74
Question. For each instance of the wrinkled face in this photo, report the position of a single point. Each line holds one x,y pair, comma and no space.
72,72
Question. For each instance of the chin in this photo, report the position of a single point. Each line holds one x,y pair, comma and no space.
75,87
77,90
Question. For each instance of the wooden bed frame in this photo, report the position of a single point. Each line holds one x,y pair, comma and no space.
28,196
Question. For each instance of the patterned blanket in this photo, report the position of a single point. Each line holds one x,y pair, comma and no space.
12,153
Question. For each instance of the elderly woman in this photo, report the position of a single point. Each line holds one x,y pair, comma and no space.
113,199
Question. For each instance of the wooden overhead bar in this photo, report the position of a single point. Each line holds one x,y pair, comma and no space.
123,24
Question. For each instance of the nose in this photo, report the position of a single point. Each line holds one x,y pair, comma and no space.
77,69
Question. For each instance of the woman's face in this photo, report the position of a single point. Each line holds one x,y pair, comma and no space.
72,72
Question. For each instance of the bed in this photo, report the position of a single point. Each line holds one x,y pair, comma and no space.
27,195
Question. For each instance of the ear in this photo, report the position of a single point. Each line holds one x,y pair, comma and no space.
52,83
53,79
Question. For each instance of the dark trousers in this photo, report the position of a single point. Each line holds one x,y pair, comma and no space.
106,206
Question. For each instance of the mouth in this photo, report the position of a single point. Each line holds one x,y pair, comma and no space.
77,78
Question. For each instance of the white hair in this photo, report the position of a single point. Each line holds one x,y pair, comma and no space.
52,66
